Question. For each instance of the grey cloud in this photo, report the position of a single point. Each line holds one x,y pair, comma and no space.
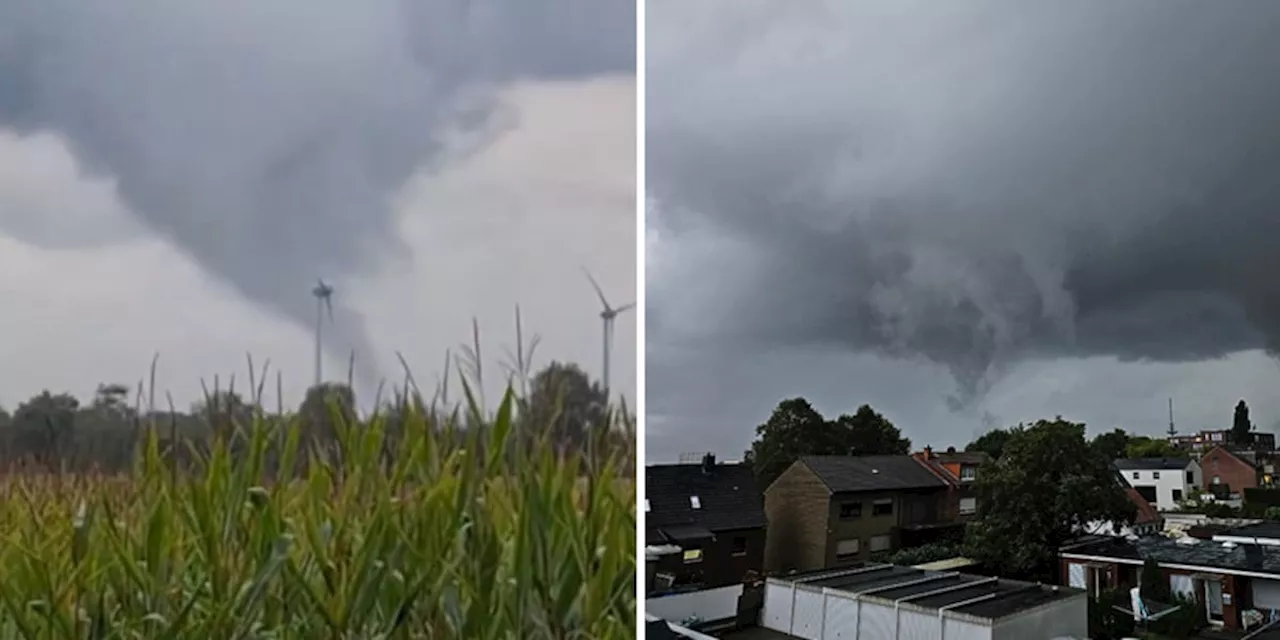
981,185
267,139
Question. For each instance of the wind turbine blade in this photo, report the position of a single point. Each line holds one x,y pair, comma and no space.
596,285
626,307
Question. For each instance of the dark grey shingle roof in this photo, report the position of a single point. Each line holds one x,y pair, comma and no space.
1241,557
729,498
871,473
1152,464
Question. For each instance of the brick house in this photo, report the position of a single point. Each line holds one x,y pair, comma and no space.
704,525
1222,467
827,511
1236,574
959,469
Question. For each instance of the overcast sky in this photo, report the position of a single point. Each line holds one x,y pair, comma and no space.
964,215
174,178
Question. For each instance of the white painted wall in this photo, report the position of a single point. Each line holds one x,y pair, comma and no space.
1165,481
708,604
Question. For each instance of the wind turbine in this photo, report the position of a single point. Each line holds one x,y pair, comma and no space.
607,316
324,300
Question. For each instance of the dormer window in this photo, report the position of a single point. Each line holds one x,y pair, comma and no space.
968,472
695,502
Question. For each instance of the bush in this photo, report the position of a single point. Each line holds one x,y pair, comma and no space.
1153,584
1105,622
451,533
923,554
1183,623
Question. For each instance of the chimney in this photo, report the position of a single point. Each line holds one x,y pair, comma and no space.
951,449
708,463
928,452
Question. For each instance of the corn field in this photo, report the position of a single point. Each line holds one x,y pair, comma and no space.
434,536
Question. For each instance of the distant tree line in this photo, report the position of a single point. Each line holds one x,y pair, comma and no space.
559,405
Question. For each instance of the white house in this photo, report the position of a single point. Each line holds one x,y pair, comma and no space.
1163,482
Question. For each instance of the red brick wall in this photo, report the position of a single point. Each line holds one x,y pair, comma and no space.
1234,472
1235,586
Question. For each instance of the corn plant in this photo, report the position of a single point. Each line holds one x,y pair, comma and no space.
404,528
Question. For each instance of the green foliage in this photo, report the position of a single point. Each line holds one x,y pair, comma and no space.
796,429
992,442
924,554
1183,623
1105,621
1047,484
1111,445
1144,447
450,533
1152,583
1241,426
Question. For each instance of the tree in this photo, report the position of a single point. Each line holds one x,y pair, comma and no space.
45,424
991,443
1047,484
869,433
1111,445
794,429
1241,426
564,399
1145,447
1152,583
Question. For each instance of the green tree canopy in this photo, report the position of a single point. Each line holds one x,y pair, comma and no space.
1146,447
991,443
1241,426
1047,484
1111,445
796,429
563,397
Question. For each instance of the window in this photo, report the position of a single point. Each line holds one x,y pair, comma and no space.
1217,479
850,510
968,506
1177,495
646,505
739,546
881,543
882,507
692,556
1191,477
968,472
1148,493
848,549
1155,475
1136,475
695,502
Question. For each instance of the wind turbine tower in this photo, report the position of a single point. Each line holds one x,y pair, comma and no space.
324,300
607,316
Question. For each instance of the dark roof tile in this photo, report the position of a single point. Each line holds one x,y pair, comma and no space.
871,473
1152,464
728,497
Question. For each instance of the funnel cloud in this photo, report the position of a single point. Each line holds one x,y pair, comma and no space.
975,189
266,140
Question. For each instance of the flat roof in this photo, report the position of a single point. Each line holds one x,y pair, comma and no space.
1253,558
1259,530
978,596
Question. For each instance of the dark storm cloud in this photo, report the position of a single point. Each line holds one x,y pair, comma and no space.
267,138
980,183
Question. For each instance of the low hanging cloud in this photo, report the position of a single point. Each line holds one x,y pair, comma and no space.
267,140
972,186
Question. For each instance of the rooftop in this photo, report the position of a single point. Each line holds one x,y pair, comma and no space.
1266,530
1185,551
686,501
871,473
991,598
1152,464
